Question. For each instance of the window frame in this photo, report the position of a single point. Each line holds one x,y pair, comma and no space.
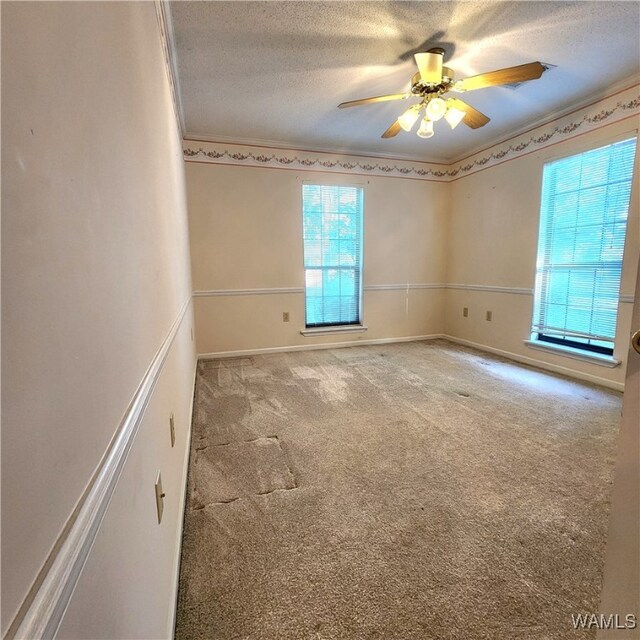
566,346
348,327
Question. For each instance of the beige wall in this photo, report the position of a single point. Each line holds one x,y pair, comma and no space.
246,233
95,268
479,229
493,234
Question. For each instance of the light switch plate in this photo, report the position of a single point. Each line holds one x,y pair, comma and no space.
159,497
172,428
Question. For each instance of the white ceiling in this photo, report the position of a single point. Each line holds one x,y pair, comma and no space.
274,72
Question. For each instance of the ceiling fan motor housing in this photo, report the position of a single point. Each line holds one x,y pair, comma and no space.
421,88
430,65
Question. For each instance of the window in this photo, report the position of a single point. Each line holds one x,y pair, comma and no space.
583,221
332,229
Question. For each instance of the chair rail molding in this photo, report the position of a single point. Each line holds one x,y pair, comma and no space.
409,286
492,289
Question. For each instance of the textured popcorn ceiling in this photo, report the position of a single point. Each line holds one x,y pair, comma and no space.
274,72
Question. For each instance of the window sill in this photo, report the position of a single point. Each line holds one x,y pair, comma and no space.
325,331
577,354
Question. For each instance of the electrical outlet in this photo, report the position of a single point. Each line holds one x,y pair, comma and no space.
285,316
160,495
172,428
465,312
489,316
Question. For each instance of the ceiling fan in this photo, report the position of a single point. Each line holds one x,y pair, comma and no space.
433,80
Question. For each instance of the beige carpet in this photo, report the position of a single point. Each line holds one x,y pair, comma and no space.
416,490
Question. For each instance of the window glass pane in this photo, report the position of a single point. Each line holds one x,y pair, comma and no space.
331,255
558,287
313,252
315,310
313,282
348,283
595,167
566,210
332,228
583,219
348,253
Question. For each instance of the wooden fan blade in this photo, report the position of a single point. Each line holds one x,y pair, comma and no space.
393,130
473,117
355,103
521,73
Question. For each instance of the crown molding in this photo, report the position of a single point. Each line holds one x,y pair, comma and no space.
167,38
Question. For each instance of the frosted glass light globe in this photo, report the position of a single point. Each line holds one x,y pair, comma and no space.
454,116
426,128
409,117
436,108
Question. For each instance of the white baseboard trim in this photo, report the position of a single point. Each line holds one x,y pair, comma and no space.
181,508
52,591
539,364
315,347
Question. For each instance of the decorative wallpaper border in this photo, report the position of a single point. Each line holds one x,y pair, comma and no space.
622,105
584,120
284,158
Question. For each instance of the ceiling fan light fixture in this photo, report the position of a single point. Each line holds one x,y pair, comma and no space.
454,116
433,81
436,108
426,128
409,117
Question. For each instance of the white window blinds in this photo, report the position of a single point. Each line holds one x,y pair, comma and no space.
583,221
332,228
